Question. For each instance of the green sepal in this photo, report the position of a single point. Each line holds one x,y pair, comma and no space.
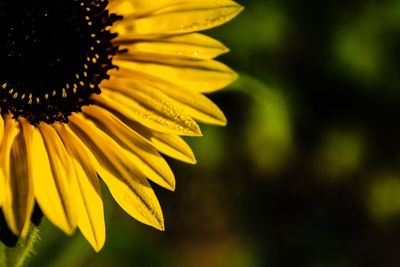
18,255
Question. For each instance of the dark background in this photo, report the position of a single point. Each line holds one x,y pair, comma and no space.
306,173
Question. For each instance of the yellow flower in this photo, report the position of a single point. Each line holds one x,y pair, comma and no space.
97,89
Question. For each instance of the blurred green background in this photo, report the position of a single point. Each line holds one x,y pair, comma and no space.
306,173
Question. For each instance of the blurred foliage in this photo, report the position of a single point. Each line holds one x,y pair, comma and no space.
384,200
307,171
339,154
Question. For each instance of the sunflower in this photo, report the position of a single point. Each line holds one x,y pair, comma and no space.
97,89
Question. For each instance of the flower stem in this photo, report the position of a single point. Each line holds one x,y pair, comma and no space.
17,256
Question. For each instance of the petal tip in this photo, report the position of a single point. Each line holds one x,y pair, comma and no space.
162,227
173,187
97,247
192,160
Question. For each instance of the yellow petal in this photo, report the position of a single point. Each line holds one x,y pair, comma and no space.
174,123
89,201
19,199
136,197
191,46
11,130
53,179
2,178
143,155
189,102
178,17
90,206
169,144
157,106
152,100
173,146
200,76
126,183
1,128
134,7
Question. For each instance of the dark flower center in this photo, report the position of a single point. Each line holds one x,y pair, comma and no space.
53,56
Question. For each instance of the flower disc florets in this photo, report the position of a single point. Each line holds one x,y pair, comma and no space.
53,56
